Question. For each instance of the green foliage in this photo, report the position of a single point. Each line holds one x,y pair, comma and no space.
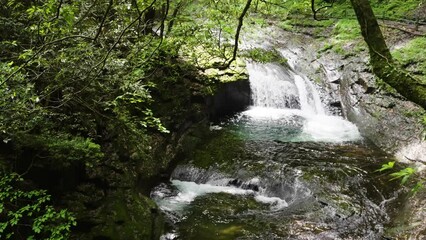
64,150
28,214
132,108
387,166
383,9
206,40
404,174
58,91
346,39
424,120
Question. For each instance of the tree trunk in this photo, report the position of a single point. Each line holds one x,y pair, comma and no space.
381,58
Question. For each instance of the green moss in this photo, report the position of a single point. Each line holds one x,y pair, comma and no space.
206,218
395,9
346,29
325,48
389,9
128,215
221,151
385,86
62,150
308,22
413,57
286,25
264,55
346,38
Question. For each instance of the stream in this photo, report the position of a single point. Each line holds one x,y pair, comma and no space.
286,168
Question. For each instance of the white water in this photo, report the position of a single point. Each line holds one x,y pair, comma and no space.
188,191
276,91
279,94
310,101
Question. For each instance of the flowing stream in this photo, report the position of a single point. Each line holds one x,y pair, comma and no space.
283,169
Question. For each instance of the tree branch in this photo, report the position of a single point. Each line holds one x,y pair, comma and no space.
39,51
315,11
237,34
166,12
58,11
103,61
174,15
103,20
275,4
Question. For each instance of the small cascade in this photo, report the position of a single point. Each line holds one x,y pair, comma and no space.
272,86
289,106
187,184
310,101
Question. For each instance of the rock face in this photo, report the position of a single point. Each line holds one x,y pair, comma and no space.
231,97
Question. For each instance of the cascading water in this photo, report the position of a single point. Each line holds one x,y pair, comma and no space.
282,97
274,86
283,169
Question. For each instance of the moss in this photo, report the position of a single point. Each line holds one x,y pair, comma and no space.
391,9
128,215
61,150
395,9
325,48
264,55
307,22
286,25
413,57
347,29
221,151
236,72
206,218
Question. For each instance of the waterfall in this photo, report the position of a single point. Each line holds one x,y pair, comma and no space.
287,107
274,86
308,95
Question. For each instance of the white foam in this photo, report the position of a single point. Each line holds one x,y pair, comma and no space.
323,128
316,127
215,128
169,236
275,202
188,191
269,113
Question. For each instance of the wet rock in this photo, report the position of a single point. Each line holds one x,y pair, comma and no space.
229,98
244,185
123,214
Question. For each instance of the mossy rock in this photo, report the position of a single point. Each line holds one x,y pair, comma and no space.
209,217
265,56
236,72
222,150
128,215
